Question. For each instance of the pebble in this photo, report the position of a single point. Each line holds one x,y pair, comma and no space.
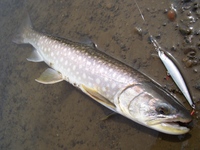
195,70
171,15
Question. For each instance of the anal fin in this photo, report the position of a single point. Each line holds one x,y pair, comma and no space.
50,76
98,97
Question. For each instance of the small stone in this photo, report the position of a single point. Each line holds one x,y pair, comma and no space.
195,70
171,15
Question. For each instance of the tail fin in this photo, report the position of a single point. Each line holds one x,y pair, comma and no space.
22,33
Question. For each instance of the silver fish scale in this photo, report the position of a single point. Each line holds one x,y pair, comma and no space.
83,64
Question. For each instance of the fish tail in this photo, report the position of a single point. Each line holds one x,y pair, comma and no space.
23,32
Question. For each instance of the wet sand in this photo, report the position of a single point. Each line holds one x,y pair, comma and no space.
59,116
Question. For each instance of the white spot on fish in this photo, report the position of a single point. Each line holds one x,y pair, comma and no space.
90,84
80,66
114,74
89,78
79,78
88,63
106,79
57,53
97,66
98,81
103,89
107,95
72,57
113,85
83,60
74,67
101,70
52,53
84,76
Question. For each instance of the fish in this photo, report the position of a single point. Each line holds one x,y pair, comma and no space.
106,80
174,70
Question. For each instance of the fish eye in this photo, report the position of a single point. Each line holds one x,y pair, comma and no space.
162,110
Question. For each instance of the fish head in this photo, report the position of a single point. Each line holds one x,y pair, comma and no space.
149,105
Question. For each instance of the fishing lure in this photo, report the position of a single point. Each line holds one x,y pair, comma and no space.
172,67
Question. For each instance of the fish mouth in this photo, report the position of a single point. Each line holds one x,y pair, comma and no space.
173,127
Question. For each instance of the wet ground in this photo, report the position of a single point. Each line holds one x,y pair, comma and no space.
60,117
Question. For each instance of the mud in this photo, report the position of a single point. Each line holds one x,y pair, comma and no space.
60,117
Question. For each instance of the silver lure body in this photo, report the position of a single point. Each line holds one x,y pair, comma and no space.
173,70
108,81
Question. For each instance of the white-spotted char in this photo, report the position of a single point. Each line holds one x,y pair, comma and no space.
106,80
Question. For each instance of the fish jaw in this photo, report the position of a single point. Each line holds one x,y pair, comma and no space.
145,104
171,128
174,125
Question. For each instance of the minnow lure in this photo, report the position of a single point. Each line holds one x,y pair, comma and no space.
169,62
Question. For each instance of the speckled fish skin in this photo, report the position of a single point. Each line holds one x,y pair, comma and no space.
107,80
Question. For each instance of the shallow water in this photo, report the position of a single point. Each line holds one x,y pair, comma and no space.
58,116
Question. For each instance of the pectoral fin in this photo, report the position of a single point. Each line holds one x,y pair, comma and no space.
50,76
98,97
35,57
